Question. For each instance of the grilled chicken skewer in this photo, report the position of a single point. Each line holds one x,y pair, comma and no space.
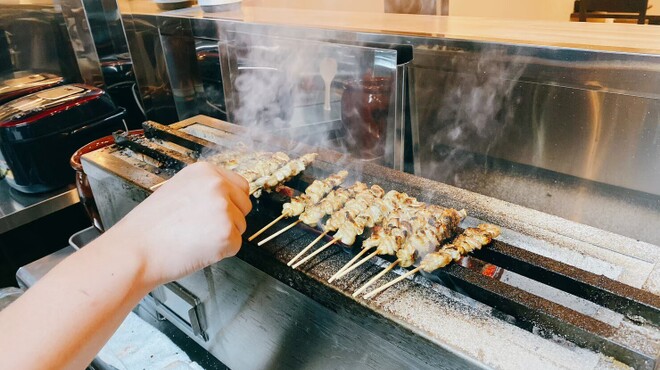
297,205
469,240
423,241
397,203
313,215
281,175
440,226
409,232
351,220
261,165
231,158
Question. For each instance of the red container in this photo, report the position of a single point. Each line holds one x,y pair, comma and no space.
82,183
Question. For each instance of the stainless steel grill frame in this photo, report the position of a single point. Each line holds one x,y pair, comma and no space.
119,187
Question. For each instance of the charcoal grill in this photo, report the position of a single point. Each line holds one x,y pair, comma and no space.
606,320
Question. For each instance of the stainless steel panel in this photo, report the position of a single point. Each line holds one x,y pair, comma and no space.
45,48
571,117
84,48
149,65
274,83
18,209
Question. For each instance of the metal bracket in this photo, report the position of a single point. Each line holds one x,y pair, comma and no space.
182,306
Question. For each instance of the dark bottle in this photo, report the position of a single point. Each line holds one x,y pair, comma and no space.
365,105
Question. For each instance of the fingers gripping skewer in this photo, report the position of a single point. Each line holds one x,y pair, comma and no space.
311,255
307,248
383,287
278,233
356,265
347,265
261,231
375,278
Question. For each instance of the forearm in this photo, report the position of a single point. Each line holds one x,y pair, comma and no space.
194,220
64,320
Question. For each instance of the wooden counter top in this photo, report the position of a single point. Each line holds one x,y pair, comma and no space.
601,36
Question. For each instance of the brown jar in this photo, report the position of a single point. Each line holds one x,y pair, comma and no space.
365,105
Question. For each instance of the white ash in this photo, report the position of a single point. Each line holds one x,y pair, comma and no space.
565,299
568,256
483,337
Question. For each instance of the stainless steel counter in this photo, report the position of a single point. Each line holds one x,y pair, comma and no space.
17,209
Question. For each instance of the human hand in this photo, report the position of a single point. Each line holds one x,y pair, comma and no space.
192,221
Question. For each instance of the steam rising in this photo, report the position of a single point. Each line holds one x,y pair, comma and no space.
474,108
277,79
278,91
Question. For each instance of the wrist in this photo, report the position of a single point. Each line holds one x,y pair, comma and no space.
128,259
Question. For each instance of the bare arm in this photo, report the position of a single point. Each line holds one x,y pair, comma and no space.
62,322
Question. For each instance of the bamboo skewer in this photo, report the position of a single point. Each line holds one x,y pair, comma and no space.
311,255
155,187
314,194
356,265
307,248
347,265
383,287
375,278
278,233
261,231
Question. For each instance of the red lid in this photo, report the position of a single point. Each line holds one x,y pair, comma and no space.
31,108
16,87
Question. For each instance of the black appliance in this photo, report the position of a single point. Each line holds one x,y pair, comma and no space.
14,88
39,133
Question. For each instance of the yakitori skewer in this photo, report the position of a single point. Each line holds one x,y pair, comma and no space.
408,236
365,209
282,174
388,238
397,203
297,205
471,239
375,278
330,204
261,166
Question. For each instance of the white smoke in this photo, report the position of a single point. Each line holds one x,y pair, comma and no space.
278,91
474,107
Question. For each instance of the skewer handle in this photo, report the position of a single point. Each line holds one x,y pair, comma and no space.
347,265
375,278
155,187
307,248
358,264
261,231
326,246
383,287
278,233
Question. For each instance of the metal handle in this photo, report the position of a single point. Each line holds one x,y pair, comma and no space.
182,307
